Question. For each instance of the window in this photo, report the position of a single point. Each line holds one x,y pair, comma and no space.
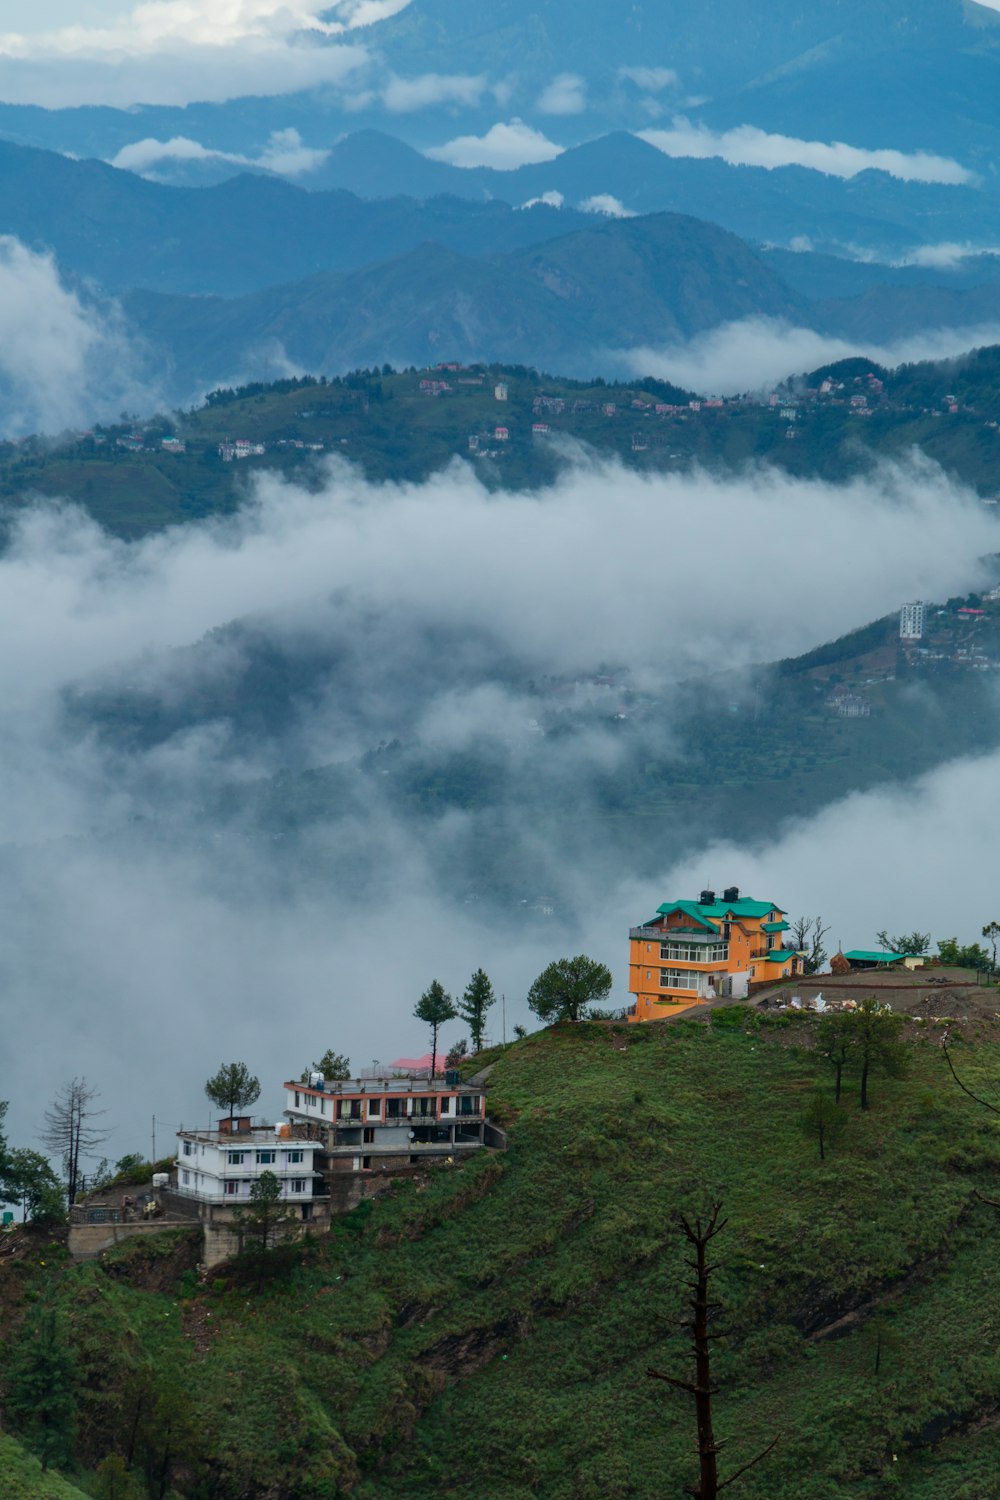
295,1156
369,1139
298,1184
230,1188
446,1104
366,1162
297,1099
374,1108
187,1148
185,1177
265,1158
235,1158
695,953
681,979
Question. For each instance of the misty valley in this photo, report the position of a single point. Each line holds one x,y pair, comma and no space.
500,604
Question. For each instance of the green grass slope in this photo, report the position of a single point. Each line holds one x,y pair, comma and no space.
21,1476
486,1330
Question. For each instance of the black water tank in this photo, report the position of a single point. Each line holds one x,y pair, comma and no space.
731,893
707,898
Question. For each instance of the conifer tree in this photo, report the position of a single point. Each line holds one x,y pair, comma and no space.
41,1382
233,1087
474,1004
435,1007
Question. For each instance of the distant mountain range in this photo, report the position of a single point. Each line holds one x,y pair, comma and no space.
557,304
245,278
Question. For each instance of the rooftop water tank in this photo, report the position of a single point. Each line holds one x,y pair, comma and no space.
316,1080
161,1179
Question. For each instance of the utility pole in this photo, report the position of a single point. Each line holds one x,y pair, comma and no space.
503,1007
154,1141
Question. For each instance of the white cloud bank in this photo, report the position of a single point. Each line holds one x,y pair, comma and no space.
285,154
504,146
177,51
565,95
200,929
756,353
63,363
747,146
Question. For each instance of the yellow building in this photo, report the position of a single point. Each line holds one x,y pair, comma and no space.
693,951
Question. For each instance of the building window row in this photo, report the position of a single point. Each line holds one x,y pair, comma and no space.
695,953
680,979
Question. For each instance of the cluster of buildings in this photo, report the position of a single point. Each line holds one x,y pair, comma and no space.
333,1139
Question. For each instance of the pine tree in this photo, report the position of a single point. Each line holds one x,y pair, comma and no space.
41,1383
233,1087
473,1006
435,1006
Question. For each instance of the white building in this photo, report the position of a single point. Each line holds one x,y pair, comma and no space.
217,1168
912,618
500,391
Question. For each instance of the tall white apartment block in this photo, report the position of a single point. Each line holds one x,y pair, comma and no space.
912,618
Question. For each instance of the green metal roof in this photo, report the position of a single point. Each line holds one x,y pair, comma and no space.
863,956
692,909
779,955
717,910
774,926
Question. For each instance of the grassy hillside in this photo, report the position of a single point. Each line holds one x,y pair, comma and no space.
21,1476
486,1329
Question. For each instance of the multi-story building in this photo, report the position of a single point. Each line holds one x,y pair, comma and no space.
380,1124
217,1168
912,619
694,951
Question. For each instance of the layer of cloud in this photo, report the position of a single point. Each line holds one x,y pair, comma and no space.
747,146
608,205
63,361
651,79
504,146
173,52
861,863
946,255
565,95
133,895
756,353
552,199
404,95
285,154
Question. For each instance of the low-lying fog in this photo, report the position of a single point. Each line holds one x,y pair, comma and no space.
209,849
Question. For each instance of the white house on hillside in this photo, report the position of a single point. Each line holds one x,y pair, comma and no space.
217,1168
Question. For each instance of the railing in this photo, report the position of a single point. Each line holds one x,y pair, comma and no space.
646,932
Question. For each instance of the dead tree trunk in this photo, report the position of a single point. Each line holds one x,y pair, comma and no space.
700,1235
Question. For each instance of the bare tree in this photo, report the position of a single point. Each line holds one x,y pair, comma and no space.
700,1235
806,935
69,1132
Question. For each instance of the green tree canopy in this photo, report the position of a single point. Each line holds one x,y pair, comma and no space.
822,1122
564,990
333,1065
233,1087
874,1040
267,1215
956,956
435,1007
41,1388
474,1005
906,942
